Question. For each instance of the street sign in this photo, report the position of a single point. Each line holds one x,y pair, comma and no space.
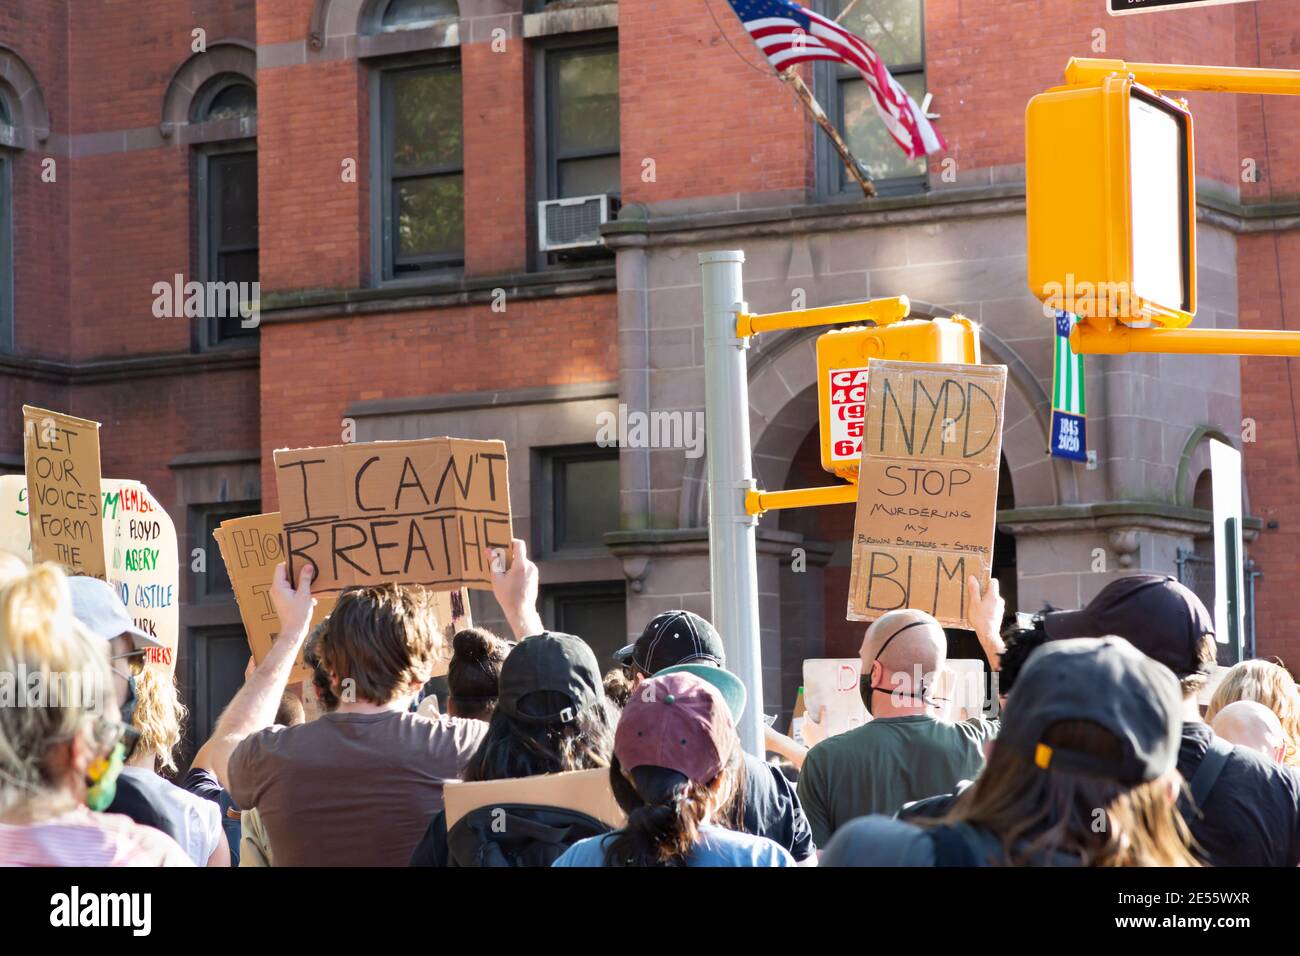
842,357
1110,200
1229,554
1120,8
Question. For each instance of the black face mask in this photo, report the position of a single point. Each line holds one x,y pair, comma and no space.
128,713
867,690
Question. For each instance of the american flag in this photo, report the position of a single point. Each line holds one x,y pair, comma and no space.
788,34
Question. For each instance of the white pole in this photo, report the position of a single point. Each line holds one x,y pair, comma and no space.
733,559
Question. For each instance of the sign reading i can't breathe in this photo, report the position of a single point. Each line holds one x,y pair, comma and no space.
1119,8
927,488
409,512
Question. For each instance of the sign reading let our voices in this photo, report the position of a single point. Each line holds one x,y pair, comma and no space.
927,488
63,490
409,512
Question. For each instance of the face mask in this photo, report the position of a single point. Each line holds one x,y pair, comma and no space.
101,779
128,706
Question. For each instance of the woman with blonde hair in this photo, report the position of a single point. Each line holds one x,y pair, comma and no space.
150,706
1267,683
62,746
1083,773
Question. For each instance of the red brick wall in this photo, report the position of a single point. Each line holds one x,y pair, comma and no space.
712,124
983,69
312,371
498,168
1270,385
313,226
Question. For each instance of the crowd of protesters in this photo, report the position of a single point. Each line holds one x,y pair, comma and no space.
1096,755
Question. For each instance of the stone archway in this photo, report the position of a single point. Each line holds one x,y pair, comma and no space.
31,119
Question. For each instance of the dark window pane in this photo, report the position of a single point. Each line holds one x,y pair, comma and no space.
237,99
430,215
5,116
587,177
588,501
401,12
866,134
893,27
237,196
595,613
426,120
586,90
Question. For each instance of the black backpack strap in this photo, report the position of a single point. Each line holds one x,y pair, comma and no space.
951,848
1207,774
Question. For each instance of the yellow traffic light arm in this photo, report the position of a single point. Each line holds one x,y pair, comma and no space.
879,311
757,501
1085,340
1084,71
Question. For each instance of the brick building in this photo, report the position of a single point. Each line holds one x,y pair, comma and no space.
377,165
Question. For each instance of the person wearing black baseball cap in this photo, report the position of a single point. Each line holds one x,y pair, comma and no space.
1243,810
551,716
1084,773
769,805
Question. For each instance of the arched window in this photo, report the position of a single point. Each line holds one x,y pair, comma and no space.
409,14
230,96
6,117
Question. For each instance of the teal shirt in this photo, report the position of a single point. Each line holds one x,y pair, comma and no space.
878,767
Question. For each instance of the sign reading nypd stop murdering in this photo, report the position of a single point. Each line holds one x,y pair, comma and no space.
927,488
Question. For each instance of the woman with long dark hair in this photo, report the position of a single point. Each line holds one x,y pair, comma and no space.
551,716
677,765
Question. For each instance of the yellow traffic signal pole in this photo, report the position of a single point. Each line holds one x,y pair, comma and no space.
879,311
1099,335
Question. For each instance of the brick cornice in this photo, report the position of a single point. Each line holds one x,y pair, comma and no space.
132,367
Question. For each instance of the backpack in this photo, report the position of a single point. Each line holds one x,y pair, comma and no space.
514,834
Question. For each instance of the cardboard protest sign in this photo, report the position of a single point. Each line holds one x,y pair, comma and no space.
833,683
587,791
927,488
141,555
144,563
15,526
960,690
251,547
410,512
63,490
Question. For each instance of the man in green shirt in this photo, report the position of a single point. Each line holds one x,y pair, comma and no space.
906,751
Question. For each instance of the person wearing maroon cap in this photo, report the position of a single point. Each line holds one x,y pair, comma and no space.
676,764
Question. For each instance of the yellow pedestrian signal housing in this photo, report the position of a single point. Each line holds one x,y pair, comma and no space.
1110,197
842,357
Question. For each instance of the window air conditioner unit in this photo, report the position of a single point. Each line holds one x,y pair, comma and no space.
573,223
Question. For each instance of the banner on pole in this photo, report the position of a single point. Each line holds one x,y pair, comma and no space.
1069,409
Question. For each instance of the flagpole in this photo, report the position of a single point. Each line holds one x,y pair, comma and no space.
819,116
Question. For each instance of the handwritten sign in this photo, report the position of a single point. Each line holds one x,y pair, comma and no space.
144,564
927,488
251,548
833,683
410,512
62,467
141,554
